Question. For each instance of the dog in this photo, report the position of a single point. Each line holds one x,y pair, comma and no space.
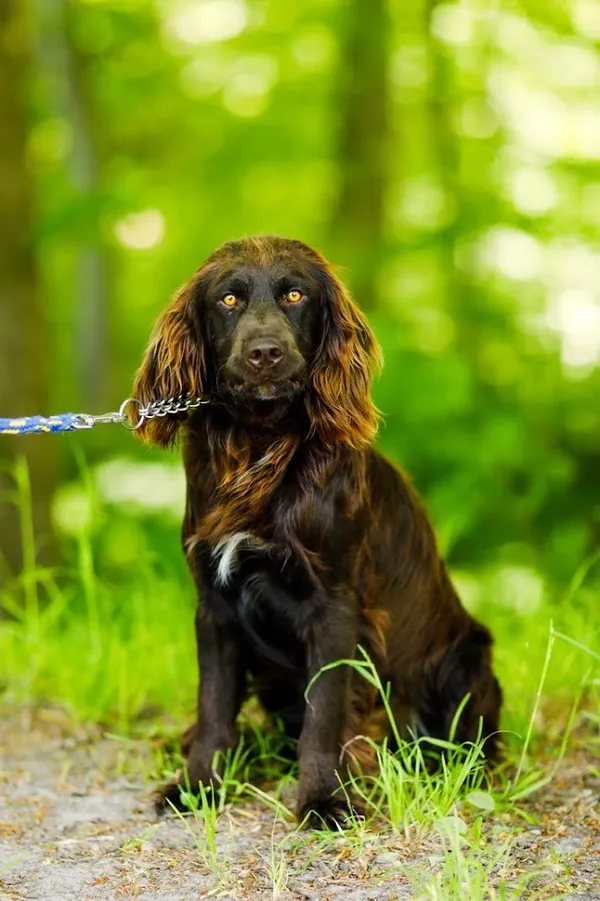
305,543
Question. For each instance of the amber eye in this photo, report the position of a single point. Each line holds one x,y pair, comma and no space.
229,300
294,296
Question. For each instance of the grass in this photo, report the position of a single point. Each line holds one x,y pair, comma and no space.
276,865
469,864
204,807
116,649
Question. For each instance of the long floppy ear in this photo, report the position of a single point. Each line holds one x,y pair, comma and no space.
173,365
339,404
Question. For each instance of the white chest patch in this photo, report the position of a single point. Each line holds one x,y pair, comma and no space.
226,551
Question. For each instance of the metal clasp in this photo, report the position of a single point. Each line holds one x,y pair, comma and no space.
88,421
124,417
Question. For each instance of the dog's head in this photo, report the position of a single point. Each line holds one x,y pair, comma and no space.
262,323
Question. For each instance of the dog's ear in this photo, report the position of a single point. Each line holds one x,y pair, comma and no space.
173,365
339,402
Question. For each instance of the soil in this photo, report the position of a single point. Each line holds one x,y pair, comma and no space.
77,823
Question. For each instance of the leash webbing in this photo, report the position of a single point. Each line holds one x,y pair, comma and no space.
31,425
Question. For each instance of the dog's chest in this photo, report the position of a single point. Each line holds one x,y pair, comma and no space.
263,583
230,555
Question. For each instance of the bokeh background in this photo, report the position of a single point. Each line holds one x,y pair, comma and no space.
445,154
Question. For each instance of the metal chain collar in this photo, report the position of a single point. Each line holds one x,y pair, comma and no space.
168,407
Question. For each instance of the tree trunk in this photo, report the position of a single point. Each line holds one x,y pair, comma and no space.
357,232
24,343
463,300
64,68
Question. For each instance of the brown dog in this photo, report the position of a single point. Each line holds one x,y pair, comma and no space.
303,541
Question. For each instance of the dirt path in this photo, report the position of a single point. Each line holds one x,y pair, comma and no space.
76,823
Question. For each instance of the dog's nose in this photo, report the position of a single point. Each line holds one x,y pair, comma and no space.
264,353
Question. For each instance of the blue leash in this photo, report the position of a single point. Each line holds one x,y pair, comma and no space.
33,425
72,422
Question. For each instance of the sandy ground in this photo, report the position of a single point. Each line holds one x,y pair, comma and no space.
76,823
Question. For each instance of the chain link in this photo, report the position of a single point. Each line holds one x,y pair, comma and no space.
171,406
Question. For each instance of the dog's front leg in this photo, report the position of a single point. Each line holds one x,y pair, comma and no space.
321,800
220,694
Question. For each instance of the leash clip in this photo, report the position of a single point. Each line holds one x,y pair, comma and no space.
88,420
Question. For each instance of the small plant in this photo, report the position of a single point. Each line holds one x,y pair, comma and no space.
472,866
203,812
136,843
276,864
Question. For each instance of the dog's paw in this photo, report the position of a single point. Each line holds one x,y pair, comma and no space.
330,813
168,798
178,796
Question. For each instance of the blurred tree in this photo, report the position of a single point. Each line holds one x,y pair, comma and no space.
465,190
357,232
26,344
63,67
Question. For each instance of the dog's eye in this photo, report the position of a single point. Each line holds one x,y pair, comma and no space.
294,296
230,300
